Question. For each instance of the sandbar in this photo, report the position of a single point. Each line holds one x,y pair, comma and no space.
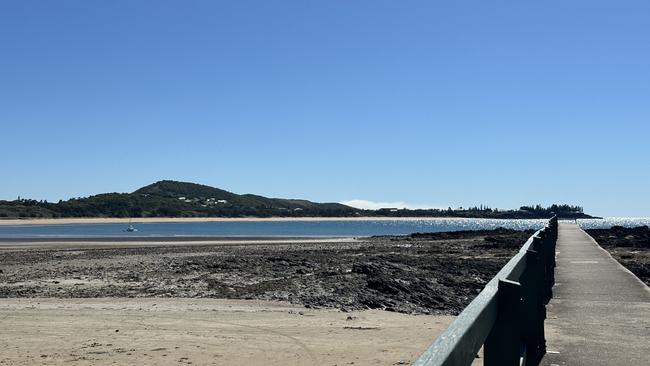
117,220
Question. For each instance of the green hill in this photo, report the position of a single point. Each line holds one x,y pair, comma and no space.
173,199
170,188
169,198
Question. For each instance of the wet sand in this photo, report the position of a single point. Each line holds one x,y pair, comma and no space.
206,332
125,242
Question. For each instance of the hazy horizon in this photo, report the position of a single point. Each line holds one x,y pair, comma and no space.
421,103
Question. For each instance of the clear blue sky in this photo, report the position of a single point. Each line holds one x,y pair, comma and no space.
432,103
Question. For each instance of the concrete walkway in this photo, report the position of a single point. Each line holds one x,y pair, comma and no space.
600,312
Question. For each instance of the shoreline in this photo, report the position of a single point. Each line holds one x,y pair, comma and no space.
141,220
8,244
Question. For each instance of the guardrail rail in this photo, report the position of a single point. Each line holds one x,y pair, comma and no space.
507,317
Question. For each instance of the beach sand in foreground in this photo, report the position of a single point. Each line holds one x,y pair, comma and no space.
156,331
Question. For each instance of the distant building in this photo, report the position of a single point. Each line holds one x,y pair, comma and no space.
390,209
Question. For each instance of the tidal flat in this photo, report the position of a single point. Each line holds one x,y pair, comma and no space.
378,300
438,273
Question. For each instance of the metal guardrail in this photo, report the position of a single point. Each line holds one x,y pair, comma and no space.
507,317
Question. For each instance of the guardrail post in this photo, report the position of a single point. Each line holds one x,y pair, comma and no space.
501,347
507,317
548,259
544,247
553,225
534,311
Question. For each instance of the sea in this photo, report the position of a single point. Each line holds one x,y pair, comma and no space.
294,228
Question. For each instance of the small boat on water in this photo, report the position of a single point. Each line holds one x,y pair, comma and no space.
131,228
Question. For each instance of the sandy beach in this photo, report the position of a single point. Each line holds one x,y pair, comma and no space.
206,332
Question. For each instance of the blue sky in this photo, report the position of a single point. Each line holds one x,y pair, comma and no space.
431,103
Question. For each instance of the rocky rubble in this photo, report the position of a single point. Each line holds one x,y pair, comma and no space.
629,246
421,273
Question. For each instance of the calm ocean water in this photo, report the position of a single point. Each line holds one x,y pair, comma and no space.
292,228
